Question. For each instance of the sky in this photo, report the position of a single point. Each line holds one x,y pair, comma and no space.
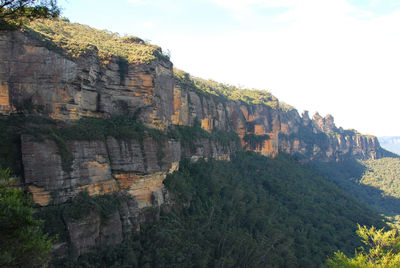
338,57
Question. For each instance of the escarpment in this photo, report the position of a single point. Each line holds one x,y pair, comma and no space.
163,114
269,127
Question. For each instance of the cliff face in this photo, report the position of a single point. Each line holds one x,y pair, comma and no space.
38,80
59,159
271,130
34,78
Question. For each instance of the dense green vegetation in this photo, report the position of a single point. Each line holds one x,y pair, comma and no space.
221,92
310,138
383,174
382,250
76,40
255,141
188,135
374,182
121,127
15,13
250,212
80,206
10,149
22,241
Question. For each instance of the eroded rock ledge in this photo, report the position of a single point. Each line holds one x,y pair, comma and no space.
37,80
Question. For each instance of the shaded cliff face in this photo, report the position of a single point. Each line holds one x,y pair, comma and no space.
57,167
46,82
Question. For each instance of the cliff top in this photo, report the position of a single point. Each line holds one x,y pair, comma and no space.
75,39
230,92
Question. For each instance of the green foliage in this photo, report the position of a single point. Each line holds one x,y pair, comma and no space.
22,241
252,212
126,255
255,140
383,174
374,182
225,138
307,135
84,204
15,13
76,40
10,149
120,127
79,207
383,250
188,135
223,92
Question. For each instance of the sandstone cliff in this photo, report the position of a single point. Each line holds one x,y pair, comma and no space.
82,124
36,79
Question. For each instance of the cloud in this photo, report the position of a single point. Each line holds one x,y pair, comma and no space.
294,10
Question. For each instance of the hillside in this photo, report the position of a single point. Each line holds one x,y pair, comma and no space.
249,212
373,182
120,152
48,77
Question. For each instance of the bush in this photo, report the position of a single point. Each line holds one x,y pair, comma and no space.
22,241
383,250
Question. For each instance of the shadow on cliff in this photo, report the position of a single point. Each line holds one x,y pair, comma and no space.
347,176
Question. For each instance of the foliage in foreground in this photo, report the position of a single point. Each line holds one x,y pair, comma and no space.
383,250
22,241
15,13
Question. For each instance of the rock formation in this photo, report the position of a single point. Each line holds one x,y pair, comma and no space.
38,80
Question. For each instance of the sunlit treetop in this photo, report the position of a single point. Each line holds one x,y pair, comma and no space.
15,13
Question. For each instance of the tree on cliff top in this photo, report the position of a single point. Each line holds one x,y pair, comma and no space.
22,241
15,13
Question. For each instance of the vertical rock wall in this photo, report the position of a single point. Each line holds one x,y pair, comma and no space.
38,80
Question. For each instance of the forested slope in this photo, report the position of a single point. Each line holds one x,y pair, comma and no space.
251,212
374,182
109,119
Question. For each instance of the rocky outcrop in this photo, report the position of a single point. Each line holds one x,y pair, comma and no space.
55,174
272,130
38,80
34,78
91,229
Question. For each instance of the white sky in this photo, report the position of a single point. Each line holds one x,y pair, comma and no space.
331,56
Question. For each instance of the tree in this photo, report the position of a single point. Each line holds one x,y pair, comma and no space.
22,241
383,250
15,13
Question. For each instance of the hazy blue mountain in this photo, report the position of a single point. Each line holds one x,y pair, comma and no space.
390,143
